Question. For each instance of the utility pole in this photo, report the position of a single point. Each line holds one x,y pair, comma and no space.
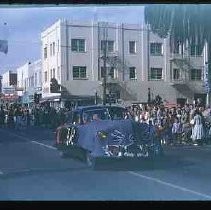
105,31
207,83
149,96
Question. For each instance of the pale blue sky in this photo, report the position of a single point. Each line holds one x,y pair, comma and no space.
24,25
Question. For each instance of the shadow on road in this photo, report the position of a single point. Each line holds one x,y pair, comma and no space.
37,171
165,163
169,162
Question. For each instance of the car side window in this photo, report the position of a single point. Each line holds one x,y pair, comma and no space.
76,118
86,118
117,113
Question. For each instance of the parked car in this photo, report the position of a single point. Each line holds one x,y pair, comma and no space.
99,131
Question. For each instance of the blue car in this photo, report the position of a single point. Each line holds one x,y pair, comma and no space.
101,131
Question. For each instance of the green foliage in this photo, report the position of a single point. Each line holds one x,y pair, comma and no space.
182,22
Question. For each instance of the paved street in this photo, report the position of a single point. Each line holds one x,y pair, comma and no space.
31,169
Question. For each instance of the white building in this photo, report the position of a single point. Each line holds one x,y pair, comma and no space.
35,77
29,80
9,86
137,59
9,82
22,75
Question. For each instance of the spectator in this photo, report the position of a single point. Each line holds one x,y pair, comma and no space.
96,117
198,130
176,131
2,117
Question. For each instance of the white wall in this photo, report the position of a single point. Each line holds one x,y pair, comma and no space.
63,31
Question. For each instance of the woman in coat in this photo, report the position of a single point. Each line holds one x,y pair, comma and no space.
198,129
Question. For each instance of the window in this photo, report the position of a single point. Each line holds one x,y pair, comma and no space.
46,76
103,73
108,44
58,46
156,48
40,78
76,118
35,79
79,72
113,73
176,74
132,73
53,48
176,48
155,74
45,52
132,47
50,49
195,50
78,45
195,74
53,73
32,81
58,73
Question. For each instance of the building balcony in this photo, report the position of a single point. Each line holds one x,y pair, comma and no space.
176,56
109,53
112,80
176,82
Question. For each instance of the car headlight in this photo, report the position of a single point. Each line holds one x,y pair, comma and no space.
102,135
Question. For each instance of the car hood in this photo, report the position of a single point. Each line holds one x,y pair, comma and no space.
119,132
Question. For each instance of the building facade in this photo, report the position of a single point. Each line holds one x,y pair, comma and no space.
23,74
9,85
29,80
133,59
9,78
0,84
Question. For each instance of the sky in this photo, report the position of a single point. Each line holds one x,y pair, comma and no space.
24,25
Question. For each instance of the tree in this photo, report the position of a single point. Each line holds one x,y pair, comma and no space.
54,86
182,23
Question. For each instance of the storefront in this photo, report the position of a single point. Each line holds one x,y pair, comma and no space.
67,102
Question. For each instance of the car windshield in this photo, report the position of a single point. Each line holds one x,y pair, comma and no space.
95,114
117,113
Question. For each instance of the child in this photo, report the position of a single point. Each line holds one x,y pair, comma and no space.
177,131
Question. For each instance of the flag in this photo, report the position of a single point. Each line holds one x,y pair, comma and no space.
4,46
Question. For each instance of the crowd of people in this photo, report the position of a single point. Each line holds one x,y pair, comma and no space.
188,124
173,125
20,117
